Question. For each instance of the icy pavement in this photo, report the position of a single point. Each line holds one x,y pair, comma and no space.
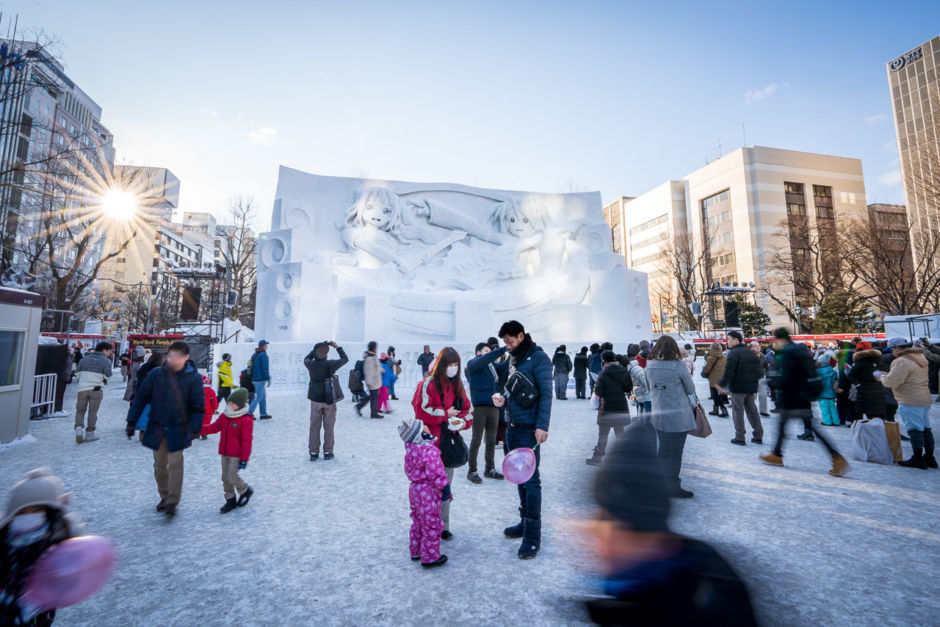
328,541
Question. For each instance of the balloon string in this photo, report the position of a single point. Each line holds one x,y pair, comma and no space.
535,447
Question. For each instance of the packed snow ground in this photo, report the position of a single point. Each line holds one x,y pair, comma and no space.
328,541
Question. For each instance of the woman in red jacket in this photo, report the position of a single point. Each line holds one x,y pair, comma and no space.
235,425
440,401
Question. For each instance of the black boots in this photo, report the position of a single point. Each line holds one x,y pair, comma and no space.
245,497
916,461
516,531
595,460
724,412
714,411
531,538
438,562
230,504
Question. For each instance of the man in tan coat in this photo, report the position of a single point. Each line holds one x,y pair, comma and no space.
372,378
908,380
714,370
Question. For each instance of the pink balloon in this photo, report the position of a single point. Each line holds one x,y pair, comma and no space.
519,465
69,572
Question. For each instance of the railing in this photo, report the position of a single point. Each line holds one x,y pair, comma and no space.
43,394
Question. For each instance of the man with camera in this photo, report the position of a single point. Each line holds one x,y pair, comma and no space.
321,394
93,372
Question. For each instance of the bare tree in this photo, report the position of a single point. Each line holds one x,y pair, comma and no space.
812,265
237,246
686,274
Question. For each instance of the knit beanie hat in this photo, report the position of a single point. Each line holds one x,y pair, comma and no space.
630,486
40,487
410,431
238,397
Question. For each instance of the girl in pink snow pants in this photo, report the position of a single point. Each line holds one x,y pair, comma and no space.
429,486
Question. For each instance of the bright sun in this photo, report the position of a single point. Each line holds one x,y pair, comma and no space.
119,204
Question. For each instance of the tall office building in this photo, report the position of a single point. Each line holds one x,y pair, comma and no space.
915,101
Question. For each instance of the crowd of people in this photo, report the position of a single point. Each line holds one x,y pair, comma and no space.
503,394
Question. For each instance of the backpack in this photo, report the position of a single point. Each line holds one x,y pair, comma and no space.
355,381
360,369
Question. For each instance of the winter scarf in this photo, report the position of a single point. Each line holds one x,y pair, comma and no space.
516,354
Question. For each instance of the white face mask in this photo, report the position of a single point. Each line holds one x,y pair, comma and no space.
27,522
452,371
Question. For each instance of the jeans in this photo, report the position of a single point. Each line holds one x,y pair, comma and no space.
579,387
372,399
744,404
561,385
530,492
671,446
806,416
261,398
485,422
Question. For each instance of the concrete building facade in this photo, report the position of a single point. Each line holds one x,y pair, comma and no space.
737,211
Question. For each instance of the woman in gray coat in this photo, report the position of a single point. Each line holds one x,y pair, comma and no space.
672,394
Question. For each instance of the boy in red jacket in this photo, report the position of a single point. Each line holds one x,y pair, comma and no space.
235,425
211,403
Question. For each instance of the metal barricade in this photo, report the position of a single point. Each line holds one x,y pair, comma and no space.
43,395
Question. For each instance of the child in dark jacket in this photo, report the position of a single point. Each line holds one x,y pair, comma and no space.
212,403
235,425
429,487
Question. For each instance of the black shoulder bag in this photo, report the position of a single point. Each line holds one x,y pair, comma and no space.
454,451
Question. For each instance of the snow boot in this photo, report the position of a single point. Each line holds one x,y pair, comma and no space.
161,506
438,562
595,460
839,465
714,411
531,538
515,531
447,535
772,458
806,436
230,504
79,435
314,457
492,474
680,493
473,477
328,456
245,497
929,459
169,511
724,412
266,417
916,460
91,436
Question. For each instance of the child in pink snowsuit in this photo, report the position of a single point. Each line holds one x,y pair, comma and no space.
429,486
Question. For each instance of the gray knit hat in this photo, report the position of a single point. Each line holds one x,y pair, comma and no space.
40,487
410,431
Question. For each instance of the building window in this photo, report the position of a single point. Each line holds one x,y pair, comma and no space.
793,188
825,212
639,261
795,209
649,240
11,357
723,260
649,224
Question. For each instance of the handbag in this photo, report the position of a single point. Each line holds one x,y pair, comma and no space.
522,390
454,451
702,427
893,433
853,392
333,389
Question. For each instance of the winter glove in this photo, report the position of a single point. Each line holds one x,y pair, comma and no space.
445,494
129,430
242,465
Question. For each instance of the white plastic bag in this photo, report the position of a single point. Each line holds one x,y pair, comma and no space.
595,401
870,443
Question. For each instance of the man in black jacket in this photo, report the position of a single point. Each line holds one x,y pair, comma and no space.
794,399
580,372
741,378
177,403
320,394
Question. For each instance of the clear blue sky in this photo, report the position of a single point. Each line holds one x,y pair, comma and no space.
548,96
